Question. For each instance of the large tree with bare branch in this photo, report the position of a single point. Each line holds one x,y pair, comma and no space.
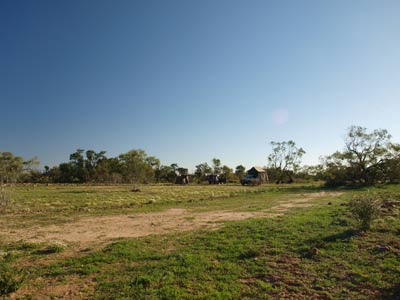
366,152
367,158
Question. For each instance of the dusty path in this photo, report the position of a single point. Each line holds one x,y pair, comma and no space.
95,230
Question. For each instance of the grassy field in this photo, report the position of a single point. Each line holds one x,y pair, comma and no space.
34,204
311,251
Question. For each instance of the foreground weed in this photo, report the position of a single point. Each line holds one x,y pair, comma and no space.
365,208
10,279
312,253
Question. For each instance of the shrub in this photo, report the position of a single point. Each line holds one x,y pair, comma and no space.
365,209
5,198
10,279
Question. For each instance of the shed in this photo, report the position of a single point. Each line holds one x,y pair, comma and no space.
258,172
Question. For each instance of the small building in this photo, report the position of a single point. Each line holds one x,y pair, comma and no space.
260,173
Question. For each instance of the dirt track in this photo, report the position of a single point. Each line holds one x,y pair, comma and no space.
89,230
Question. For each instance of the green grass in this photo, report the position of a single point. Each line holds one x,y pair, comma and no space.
80,198
310,253
41,204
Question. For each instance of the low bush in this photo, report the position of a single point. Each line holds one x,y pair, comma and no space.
365,208
10,279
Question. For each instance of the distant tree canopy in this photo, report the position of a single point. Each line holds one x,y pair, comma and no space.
202,170
137,167
166,173
83,166
240,171
131,167
224,172
216,166
368,158
12,168
134,166
284,161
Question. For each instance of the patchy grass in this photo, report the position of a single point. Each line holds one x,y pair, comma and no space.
41,205
310,253
81,198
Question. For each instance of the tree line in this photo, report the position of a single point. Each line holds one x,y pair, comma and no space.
367,158
89,166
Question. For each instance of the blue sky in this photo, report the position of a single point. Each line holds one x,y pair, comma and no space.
191,80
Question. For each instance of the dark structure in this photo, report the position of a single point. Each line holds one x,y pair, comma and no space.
258,172
182,179
222,179
255,176
213,179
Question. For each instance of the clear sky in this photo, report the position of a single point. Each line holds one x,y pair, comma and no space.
191,80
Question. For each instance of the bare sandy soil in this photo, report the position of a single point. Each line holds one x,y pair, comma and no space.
98,231
95,230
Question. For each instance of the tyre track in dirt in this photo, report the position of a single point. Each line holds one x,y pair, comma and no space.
95,230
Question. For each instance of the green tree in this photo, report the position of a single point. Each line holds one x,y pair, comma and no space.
135,167
366,152
68,173
52,174
30,171
77,158
167,173
84,166
285,159
183,171
93,159
153,162
76,171
368,157
108,170
240,171
227,174
13,167
311,173
392,164
216,166
201,171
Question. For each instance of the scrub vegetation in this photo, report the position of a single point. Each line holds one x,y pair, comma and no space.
314,251
119,228
368,158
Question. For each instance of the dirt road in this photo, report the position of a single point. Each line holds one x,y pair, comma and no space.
90,230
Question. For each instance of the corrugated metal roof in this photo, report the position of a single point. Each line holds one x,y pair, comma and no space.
259,169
